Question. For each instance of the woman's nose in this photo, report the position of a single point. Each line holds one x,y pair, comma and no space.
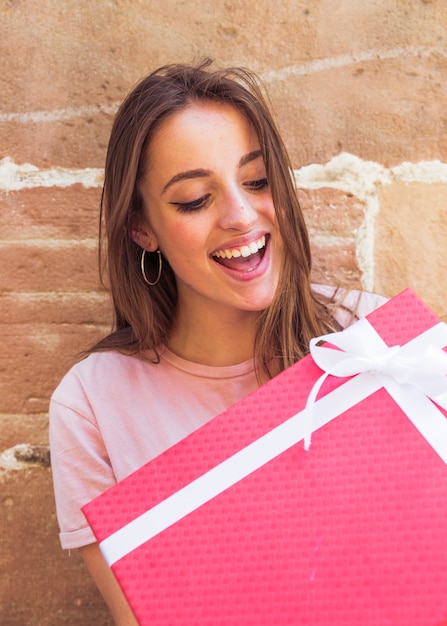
237,212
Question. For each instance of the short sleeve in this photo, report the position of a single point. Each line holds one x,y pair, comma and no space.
80,464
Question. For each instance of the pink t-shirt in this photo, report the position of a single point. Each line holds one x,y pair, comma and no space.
113,413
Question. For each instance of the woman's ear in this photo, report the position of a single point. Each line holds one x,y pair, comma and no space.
142,235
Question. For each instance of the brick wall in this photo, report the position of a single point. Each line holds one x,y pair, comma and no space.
360,92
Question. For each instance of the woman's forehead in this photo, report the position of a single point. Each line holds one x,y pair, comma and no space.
204,131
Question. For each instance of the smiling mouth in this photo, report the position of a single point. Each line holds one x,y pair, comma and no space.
246,258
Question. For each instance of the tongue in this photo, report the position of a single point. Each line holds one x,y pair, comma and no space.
242,264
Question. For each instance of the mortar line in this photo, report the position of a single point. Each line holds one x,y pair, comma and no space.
59,115
320,65
54,295
50,243
345,172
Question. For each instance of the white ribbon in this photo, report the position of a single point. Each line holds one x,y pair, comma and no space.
417,370
414,375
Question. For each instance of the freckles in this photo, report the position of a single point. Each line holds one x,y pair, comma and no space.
180,249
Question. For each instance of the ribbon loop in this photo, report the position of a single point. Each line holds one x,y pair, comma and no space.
359,349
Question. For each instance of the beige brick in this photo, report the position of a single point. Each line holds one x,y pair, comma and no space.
410,242
18,428
56,308
386,111
53,212
34,359
331,212
75,143
44,586
334,216
35,266
336,265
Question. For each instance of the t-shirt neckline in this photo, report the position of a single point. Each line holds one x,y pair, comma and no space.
205,371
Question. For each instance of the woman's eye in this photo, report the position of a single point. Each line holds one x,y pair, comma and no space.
194,205
258,185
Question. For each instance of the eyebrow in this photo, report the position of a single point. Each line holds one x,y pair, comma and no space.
251,156
201,173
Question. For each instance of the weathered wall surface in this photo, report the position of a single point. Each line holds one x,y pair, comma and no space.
360,92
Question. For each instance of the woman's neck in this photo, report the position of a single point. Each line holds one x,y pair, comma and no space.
227,341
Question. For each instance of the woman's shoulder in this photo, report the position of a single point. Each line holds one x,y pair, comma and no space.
96,372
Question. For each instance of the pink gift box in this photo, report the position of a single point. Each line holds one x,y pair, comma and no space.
351,532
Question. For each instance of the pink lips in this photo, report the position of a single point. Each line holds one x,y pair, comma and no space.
248,267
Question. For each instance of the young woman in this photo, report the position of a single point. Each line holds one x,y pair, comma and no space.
209,268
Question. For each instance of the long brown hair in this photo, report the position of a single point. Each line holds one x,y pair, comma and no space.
144,315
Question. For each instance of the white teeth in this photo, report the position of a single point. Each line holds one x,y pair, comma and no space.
253,248
243,251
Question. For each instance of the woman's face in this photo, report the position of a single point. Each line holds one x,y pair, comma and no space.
208,208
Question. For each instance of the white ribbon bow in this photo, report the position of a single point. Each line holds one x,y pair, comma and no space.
417,369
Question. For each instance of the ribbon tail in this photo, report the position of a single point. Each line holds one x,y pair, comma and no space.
308,412
421,411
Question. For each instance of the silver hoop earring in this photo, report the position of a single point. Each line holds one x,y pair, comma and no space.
143,271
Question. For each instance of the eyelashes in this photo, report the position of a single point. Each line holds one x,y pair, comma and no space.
194,205
258,185
201,203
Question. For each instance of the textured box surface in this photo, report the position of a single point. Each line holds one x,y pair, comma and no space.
351,532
